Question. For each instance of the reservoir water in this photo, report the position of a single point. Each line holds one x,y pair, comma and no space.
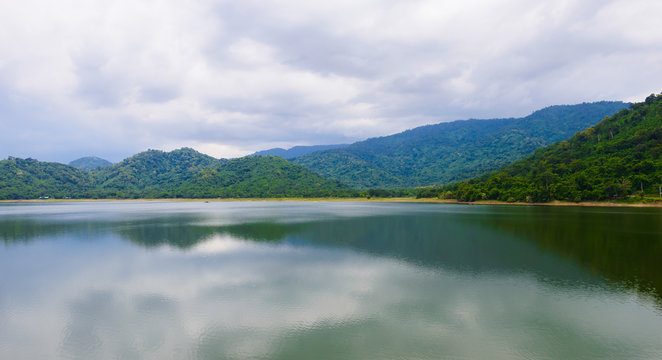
328,280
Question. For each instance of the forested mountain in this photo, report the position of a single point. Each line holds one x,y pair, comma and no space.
31,179
449,152
618,157
297,151
157,174
261,176
90,163
152,172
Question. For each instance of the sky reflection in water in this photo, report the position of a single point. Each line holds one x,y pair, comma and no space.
290,280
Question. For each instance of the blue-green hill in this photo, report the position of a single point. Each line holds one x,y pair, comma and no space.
454,151
90,163
297,151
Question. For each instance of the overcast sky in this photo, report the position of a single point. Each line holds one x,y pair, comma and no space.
112,78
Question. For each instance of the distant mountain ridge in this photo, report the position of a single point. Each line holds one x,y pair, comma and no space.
90,163
297,151
453,151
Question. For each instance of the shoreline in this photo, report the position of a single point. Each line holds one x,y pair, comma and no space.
552,203
361,199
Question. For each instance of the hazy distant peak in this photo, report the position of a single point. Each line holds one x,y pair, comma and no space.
90,163
297,151
453,151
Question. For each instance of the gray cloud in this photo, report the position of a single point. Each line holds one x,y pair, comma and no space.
229,78
96,87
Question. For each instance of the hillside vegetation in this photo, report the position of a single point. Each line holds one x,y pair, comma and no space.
617,158
158,174
31,179
455,151
260,176
152,172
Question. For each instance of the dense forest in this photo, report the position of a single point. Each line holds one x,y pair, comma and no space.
615,159
260,176
455,151
157,174
152,173
32,179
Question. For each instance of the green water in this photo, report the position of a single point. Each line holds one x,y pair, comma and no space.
328,280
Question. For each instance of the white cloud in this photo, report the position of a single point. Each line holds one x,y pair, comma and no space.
111,79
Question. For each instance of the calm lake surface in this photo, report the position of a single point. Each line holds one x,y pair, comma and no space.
328,280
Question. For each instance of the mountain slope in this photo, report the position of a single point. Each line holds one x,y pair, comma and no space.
449,152
157,174
297,151
90,163
31,179
261,176
615,158
152,172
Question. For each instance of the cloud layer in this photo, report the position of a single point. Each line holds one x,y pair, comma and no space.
229,78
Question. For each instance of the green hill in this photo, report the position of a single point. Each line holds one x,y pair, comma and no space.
90,163
152,172
158,174
449,152
31,179
616,158
261,176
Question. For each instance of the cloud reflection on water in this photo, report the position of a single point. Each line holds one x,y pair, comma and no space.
334,288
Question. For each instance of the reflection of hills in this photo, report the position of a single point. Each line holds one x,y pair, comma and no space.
27,230
623,246
510,240
448,241
440,241
182,232
177,231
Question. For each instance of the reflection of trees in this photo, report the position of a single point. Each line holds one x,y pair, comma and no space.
431,240
620,245
443,241
176,231
624,246
182,232
27,230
